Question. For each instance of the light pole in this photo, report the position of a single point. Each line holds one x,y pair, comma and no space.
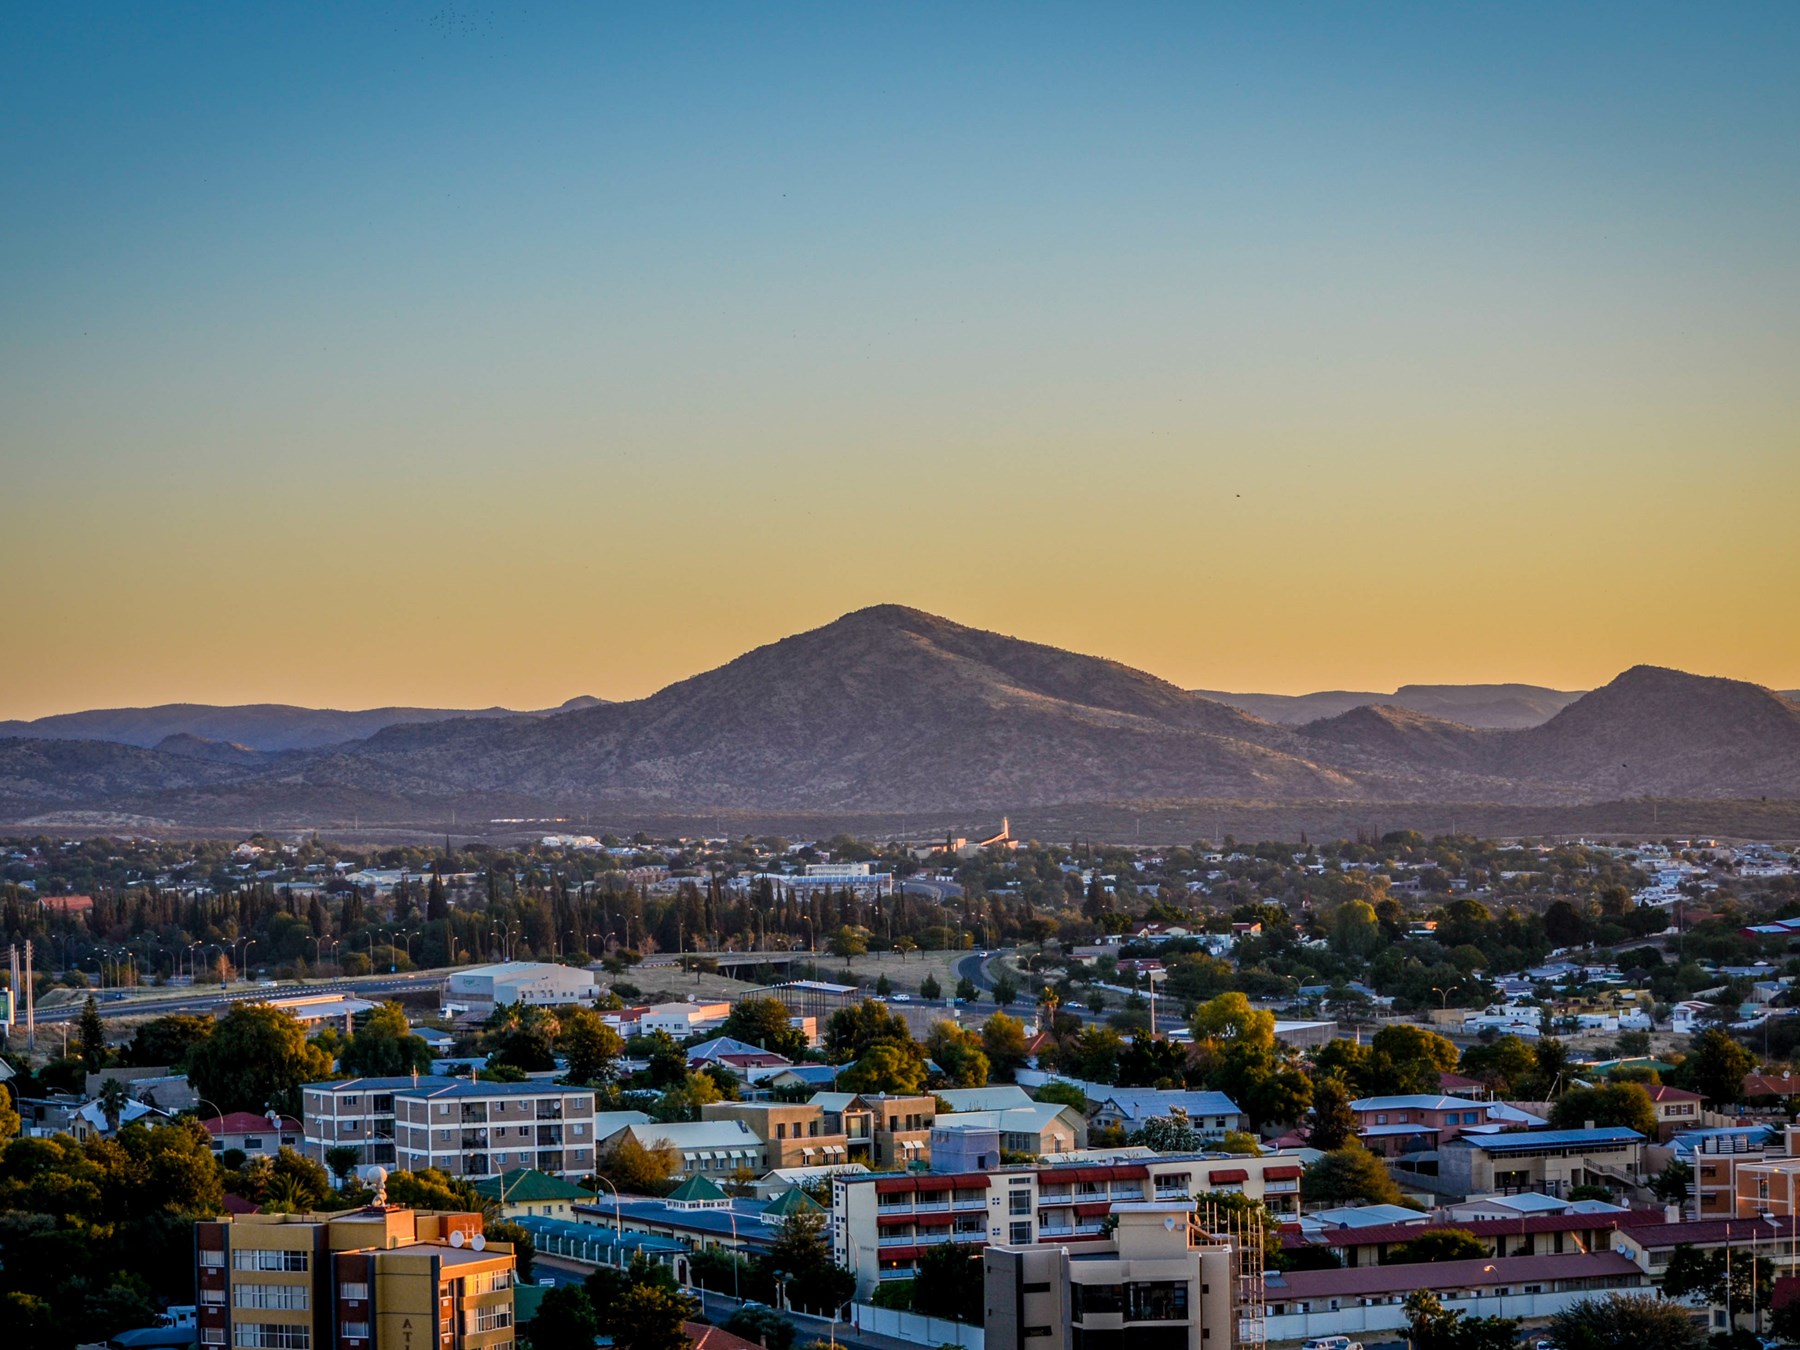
246,944
618,1219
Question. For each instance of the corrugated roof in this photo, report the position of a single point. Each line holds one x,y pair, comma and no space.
524,1185
1525,1141
1366,1281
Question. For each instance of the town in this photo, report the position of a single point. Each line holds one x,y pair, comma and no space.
979,1092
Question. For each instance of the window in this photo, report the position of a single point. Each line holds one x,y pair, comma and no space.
1098,1298
487,1283
270,1336
1019,1202
1156,1301
1036,1331
353,1291
212,1335
477,1320
356,1331
213,1296
287,1297
211,1257
1021,1233
269,1258
1036,1287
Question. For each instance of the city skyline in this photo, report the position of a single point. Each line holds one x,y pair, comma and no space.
456,358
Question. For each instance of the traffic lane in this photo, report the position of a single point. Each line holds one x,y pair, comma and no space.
157,1007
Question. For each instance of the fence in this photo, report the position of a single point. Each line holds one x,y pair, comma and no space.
907,1326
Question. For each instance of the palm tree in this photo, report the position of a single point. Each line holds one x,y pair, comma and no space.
113,1096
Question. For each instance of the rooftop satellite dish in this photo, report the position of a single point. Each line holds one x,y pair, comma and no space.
1169,1223
456,1238
479,1242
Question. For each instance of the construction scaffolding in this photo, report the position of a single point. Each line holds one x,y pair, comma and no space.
1241,1230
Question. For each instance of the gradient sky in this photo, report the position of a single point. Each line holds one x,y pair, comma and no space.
460,355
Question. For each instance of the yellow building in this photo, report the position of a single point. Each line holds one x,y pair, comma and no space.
379,1278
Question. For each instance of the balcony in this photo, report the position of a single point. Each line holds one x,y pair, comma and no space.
976,1202
1128,1193
900,1204
1062,1197
475,1113
898,1240
475,1139
549,1136
550,1110
969,1235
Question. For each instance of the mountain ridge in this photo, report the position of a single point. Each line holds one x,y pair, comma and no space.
891,709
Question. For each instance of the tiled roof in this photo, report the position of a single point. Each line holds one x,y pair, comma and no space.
248,1122
1710,1232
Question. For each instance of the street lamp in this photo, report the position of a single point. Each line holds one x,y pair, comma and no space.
240,958
618,1219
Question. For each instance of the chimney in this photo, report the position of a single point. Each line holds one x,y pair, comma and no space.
1587,1124
1671,1213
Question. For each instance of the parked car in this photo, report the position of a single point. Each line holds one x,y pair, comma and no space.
1332,1343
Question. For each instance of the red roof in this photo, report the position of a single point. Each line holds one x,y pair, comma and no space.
1450,1082
236,1204
1768,1085
1221,1175
716,1338
1663,1093
248,1122
1283,1173
1711,1232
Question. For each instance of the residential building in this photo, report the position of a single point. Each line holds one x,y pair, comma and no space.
681,1020
480,989
1716,1154
1159,1282
847,1114
1551,1161
1525,1235
1367,1301
881,1224
525,1193
381,1278
468,1128
315,1011
1405,1124
1042,1127
253,1135
1677,1109
356,1113
792,1134
900,1127
715,1148
1212,1114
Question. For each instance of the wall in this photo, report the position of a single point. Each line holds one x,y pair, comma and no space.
908,1326
1354,1321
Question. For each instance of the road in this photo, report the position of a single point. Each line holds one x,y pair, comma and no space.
157,1003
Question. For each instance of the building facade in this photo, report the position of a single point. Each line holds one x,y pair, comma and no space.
380,1278
468,1128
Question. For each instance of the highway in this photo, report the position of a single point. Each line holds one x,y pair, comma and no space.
154,1002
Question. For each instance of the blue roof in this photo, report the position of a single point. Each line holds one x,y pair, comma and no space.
1526,1140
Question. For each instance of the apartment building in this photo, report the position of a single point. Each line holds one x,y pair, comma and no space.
709,1148
379,1278
1160,1280
1551,1161
882,1224
899,1127
790,1134
1405,1123
1717,1156
467,1128
356,1113
1768,1186
1677,1109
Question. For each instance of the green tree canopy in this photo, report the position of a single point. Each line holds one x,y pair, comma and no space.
1003,1039
167,1040
1626,1322
765,1022
255,1060
1623,1105
959,1054
385,1047
1349,1175
591,1048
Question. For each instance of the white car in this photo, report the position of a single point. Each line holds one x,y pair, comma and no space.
902,998
1332,1343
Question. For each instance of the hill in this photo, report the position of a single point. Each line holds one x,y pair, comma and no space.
255,726
1498,706
898,711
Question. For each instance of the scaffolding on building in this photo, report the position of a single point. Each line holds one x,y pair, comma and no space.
1242,1231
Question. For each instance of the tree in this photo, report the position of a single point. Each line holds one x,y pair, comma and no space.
1003,1039
1170,1134
1240,1142
930,989
959,1054
1625,1322
1441,1244
1350,1174
1622,1105
385,1047
1093,1055
1006,991
591,1048
1406,1058
1268,1089
1715,1067
1434,1327
1063,1094
850,1031
651,1317
801,1253
848,942
637,1169
167,1040
91,1037
765,1326
296,1183
766,1022
256,1060
113,1096
1671,1184
966,992
1355,931
342,1159
1333,1122
949,1283
1230,1018
886,1066
523,1036
1717,1277
1504,1064
565,1320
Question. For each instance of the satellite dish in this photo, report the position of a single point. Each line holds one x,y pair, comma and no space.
479,1242
1169,1223
456,1238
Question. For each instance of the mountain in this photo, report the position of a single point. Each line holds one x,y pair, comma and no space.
892,710
255,726
1476,705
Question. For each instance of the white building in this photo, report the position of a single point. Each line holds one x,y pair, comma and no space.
481,989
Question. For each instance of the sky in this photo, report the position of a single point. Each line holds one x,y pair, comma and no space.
459,355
